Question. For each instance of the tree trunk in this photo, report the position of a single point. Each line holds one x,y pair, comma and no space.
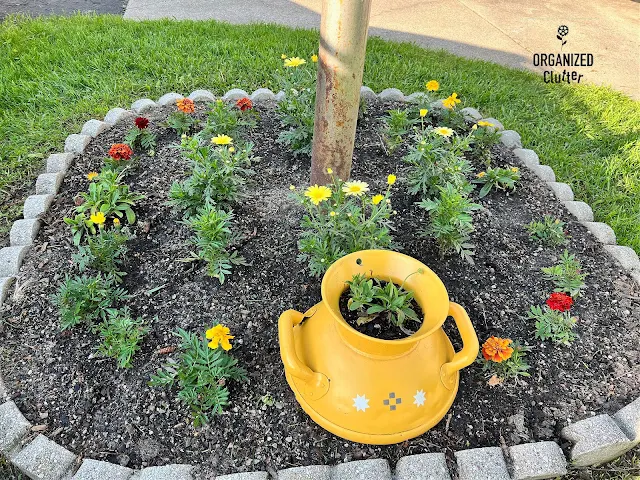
343,41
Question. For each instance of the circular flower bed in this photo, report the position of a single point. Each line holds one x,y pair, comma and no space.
181,249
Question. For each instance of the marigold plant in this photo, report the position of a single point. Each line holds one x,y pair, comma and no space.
343,218
201,374
559,301
120,151
549,231
186,105
554,325
499,178
503,358
181,121
567,275
140,136
244,104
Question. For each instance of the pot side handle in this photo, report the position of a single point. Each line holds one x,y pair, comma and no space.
313,385
470,346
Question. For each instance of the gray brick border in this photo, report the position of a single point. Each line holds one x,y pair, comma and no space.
595,440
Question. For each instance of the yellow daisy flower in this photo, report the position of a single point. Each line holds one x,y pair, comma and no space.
98,218
423,112
314,58
92,175
376,199
444,131
222,140
219,335
514,169
451,101
318,194
355,188
432,85
391,179
294,62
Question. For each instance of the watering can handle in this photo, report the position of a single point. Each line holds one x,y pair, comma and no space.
313,385
470,347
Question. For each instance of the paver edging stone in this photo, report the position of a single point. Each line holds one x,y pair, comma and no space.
627,418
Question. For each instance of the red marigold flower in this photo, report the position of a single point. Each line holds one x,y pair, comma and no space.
141,122
559,301
120,151
244,104
186,105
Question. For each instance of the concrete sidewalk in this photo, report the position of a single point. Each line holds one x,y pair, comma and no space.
505,32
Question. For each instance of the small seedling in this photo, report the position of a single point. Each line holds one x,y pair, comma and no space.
499,178
549,231
121,336
567,275
553,325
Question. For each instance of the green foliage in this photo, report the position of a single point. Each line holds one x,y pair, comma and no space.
213,239
297,109
434,161
226,119
451,118
105,252
514,367
395,126
553,325
342,224
107,196
121,336
500,178
141,138
482,140
549,231
217,175
567,275
201,374
85,299
373,300
450,221
180,122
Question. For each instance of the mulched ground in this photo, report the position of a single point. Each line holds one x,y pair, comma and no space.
101,412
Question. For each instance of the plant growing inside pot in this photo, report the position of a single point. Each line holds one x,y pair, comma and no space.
379,304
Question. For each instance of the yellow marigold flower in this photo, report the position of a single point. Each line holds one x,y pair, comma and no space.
444,131
317,194
481,174
432,85
451,101
329,171
222,140
292,187
116,222
514,169
232,149
423,112
332,213
283,56
391,179
219,335
92,175
482,123
98,218
376,199
294,62
314,58
355,188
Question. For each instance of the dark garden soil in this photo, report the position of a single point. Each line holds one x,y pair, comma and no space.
379,326
99,411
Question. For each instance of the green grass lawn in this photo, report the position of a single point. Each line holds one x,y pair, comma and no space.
56,73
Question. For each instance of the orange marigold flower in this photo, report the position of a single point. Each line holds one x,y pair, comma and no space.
186,105
244,104
497,349
120,151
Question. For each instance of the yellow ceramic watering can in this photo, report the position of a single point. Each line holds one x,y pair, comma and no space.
366,389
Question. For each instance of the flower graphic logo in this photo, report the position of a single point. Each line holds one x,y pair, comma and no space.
563,31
